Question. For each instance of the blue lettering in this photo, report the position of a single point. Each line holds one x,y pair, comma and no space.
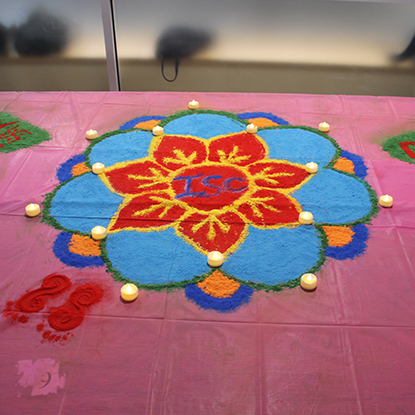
227,185
187,186
205,182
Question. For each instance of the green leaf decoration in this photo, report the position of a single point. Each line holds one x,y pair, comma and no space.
16,133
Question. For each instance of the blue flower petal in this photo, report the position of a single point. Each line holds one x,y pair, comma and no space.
334,198
360,169
204,125
83,203
121,147
64,172
61,250
135,121
284,254
353,249
270,116
154,257
241,296
298,146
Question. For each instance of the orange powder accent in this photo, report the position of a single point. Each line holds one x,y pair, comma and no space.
218,285
147,125
80,168
262,122
338,235
84,245
344,164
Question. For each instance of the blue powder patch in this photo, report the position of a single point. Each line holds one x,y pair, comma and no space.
121,147
241,296
284,254
61,250
298,146
135,121
360,169
153,257
268,115
204,125
353,249
83,203
334,198
64,172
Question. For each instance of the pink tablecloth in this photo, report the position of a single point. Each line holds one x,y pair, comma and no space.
347,348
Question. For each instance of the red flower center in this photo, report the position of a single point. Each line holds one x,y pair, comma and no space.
209,187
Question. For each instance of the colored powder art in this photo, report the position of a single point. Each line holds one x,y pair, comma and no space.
207,184
16,133
401,146
60,319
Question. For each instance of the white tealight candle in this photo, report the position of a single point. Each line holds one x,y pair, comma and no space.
129,292
193,105
157,130
98,168
91,134
324,127
308,282
252,128
386,201
306,218
32,210
311,167
215,259
99,232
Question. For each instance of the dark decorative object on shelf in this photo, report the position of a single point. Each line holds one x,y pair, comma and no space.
179,42
3,40
408,53
42,35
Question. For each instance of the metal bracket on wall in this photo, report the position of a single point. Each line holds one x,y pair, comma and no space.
108,21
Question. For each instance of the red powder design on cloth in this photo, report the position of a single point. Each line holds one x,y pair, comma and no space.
34,300
405,147
71,314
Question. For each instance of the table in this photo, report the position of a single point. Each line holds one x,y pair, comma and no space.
346,348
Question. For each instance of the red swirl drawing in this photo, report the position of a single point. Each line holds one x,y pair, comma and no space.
35,300
71,314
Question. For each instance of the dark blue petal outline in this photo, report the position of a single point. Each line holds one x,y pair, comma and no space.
353,249
360,169
241,296
131,124
61,250
64,172
270,116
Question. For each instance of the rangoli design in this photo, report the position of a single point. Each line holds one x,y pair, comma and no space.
207,184
16,133
401,146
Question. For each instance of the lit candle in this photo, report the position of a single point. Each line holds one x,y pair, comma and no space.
91,134
386,201
308,282
98,168
215,259
306,218
129,292
252,128
32,210
193,105
324,127
157,130
99,232
311,167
